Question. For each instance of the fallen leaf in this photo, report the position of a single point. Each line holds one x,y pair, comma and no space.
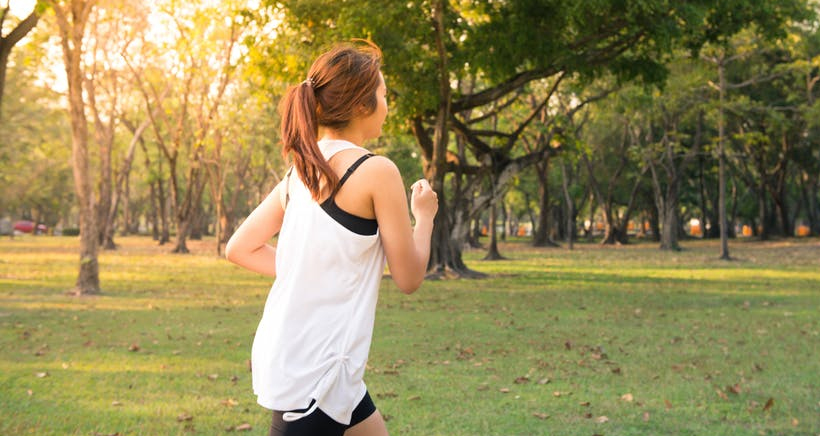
568,345
646,417
244,427
133,347
184,417
543,381
213,377
41,374
584,404
30,392
230,402
601,419
722,394
465,353
521,380
414,398
768,405
540,415
735,389
667,403
627,397
504,390
483,387
616,371
116,403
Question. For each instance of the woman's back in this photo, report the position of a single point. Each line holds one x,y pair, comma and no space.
314,336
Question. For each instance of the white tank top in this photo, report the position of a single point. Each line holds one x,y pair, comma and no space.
314,337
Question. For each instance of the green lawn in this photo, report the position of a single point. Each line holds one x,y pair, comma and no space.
608,341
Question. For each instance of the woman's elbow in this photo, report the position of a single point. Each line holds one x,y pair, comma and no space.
409,285
231,251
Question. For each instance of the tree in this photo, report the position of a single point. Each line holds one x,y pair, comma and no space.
203,59
109,99
507,45
34,156
8,41
669,127
72,18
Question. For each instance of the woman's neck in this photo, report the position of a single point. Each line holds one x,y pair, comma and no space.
348,135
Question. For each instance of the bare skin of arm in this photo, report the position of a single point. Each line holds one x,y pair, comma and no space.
407,251
250,247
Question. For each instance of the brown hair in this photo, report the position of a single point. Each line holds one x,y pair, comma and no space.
341,84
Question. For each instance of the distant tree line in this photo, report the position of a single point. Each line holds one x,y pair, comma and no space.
122,117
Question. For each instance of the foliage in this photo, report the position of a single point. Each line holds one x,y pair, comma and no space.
35,181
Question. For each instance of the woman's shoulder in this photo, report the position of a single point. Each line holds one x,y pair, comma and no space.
380,169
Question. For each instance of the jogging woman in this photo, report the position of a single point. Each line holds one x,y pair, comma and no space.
340,212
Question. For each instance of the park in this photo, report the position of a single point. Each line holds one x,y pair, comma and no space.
627,239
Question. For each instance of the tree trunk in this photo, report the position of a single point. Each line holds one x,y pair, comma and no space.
164,209
724,224
155,200
126,208
104,137
154,216
541,237
197,222
72,31
704,200
570,224
763,231
475,235
669,232
445,253
505,217
780,198
186,212
183,227
733,215
492,251
808,190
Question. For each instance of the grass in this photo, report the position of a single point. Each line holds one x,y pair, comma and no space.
609,341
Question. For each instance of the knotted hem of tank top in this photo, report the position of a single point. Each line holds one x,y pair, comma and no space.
293,416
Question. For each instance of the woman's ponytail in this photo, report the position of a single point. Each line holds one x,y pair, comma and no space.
341,85
299,135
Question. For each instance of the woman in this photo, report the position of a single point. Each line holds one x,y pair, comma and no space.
342,212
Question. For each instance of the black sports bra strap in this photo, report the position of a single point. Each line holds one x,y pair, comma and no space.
287,187
349,171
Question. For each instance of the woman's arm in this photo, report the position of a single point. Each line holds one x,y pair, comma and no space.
250,247
407,249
